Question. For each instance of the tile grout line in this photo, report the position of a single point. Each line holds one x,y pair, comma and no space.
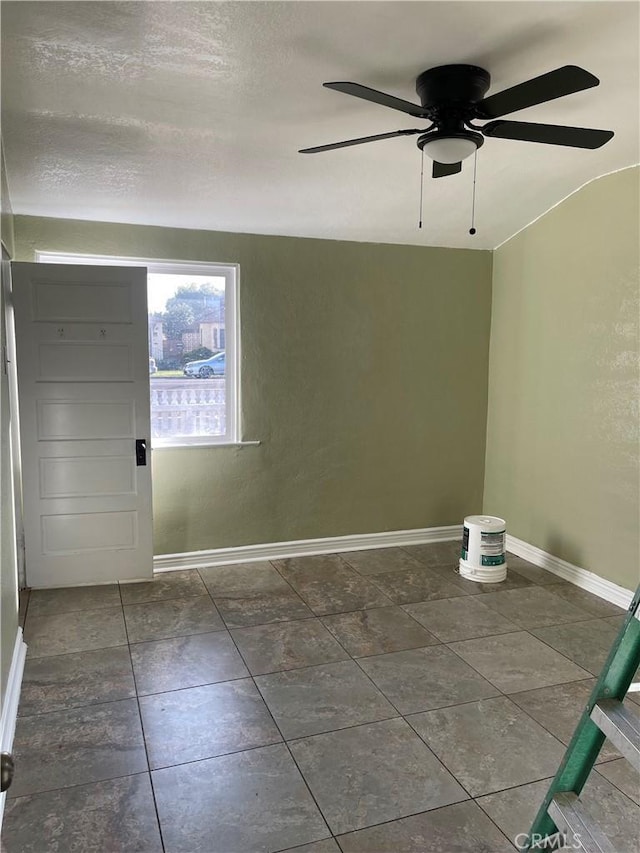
346,565
164,600
72,787
77,652
416,814
617,787
566,624
192,686
521,631
78,610
90,705
400,716
271,564
548,779
144,739
223,630
260,624
228,754
531,717
501,692
284,741
561,684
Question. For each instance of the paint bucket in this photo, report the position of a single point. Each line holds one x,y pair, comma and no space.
483,555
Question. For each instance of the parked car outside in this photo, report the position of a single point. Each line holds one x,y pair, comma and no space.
153,367
206,368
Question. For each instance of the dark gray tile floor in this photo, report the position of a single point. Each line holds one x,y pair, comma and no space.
366,702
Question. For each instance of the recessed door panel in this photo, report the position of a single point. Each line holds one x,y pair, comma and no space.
71,361
89,477
88,531
87,300
71,419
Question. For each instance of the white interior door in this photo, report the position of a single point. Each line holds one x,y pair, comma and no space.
83,390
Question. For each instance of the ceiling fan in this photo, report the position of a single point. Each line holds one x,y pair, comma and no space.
452,97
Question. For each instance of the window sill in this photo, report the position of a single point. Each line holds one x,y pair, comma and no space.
207,444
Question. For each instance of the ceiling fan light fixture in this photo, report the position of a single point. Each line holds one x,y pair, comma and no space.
450,149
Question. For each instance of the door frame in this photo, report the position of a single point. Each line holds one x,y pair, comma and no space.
9,367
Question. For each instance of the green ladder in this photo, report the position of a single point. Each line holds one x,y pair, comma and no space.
604,717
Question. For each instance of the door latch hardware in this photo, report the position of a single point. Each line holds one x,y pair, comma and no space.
141,451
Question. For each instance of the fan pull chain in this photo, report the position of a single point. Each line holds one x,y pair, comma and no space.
472,230
421,186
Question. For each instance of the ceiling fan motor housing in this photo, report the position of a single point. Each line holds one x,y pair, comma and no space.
448,84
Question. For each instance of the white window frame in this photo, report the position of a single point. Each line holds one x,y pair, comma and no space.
231,275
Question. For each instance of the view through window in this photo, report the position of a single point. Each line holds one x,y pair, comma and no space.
187,355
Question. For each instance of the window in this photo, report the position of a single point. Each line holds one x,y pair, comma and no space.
193,372
193,348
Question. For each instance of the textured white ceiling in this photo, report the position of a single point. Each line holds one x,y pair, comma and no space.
190,114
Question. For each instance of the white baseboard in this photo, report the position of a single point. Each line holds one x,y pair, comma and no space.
12,695
304,548
11,700
567,571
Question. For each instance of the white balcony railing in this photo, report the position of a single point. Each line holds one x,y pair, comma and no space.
187,407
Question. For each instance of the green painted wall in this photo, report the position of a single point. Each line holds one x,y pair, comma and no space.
562,435
364,375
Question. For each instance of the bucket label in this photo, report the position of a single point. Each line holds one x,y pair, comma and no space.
492,548
492,544
465,543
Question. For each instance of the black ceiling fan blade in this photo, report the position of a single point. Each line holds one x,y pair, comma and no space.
441,170
555,84
376,97
550,134
330,147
